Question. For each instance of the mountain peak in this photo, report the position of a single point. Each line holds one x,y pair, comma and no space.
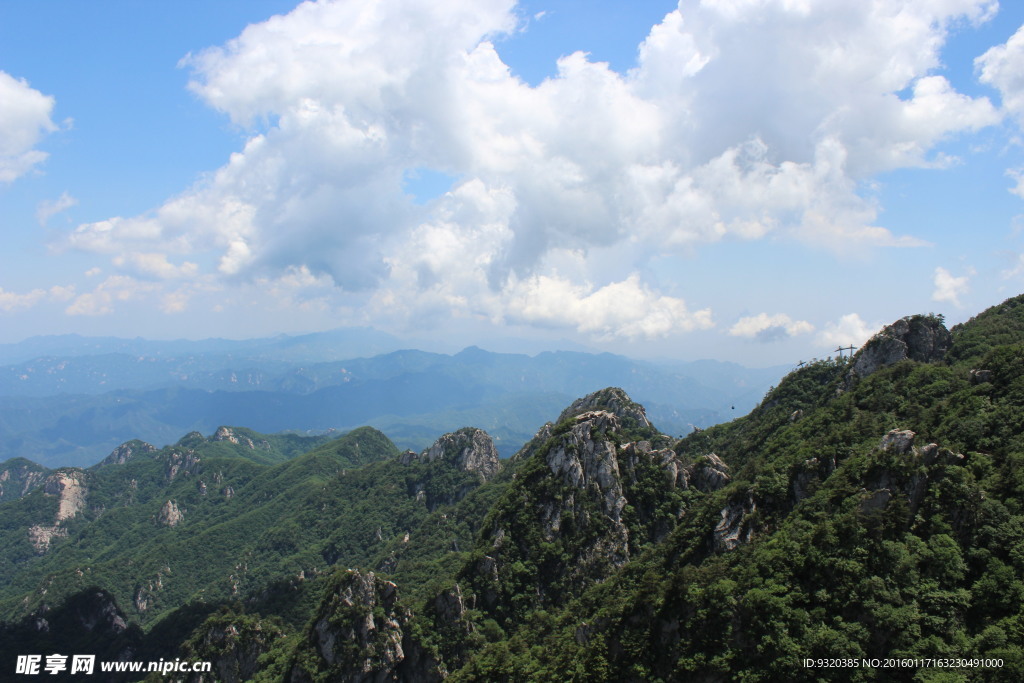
923,338
470,449
612,400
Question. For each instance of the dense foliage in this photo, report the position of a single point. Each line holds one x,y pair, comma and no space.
869,510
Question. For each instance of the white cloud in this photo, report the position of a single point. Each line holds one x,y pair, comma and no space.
948,288
1002,67
13,301
116,288
849,329
48,209
624,309
1018,176
742,120
24,120
155,265
766,327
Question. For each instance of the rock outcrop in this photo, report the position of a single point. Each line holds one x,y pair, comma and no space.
181,462
71,490
18,477
127,451
360,635
921,338
612,400
170,514
595,488
233,645
469,449
228,434
69,486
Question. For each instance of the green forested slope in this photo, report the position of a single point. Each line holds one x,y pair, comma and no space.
838,538
869,508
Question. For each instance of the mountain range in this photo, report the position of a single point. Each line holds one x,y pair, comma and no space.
865,521
86,396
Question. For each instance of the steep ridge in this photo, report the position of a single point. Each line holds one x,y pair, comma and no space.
18,477
874,512
870,507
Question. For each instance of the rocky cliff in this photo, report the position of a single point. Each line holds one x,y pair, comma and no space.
603,484
19,476
361,634
920,338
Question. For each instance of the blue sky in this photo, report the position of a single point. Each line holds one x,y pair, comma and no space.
752,180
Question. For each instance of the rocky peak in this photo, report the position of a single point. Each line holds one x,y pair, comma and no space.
584,459
710,473
358,633
126,452
921,338
19,476
179,461
170,514
469,449
229,435
612,400
234,645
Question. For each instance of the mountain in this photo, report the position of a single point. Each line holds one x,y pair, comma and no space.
868,511
70,410
352,342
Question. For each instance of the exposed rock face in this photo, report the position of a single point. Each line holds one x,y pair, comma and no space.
170,514
181,462
87,621
918,337
612,400
70,489
731,530
573,487
898,441
228,434
146,593
233,647
710,473
69,486
358,635
584,460
127,451
980,376
469,449
18,477
41,536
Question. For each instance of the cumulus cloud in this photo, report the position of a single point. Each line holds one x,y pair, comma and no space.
624,309
101,300
948,289
849,329
24,120
741,120
1002,67
765,328
13,301
48,209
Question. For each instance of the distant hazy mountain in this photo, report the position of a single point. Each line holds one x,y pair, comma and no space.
868,510
73,407
337,344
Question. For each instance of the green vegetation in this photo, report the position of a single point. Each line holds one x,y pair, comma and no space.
868,510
